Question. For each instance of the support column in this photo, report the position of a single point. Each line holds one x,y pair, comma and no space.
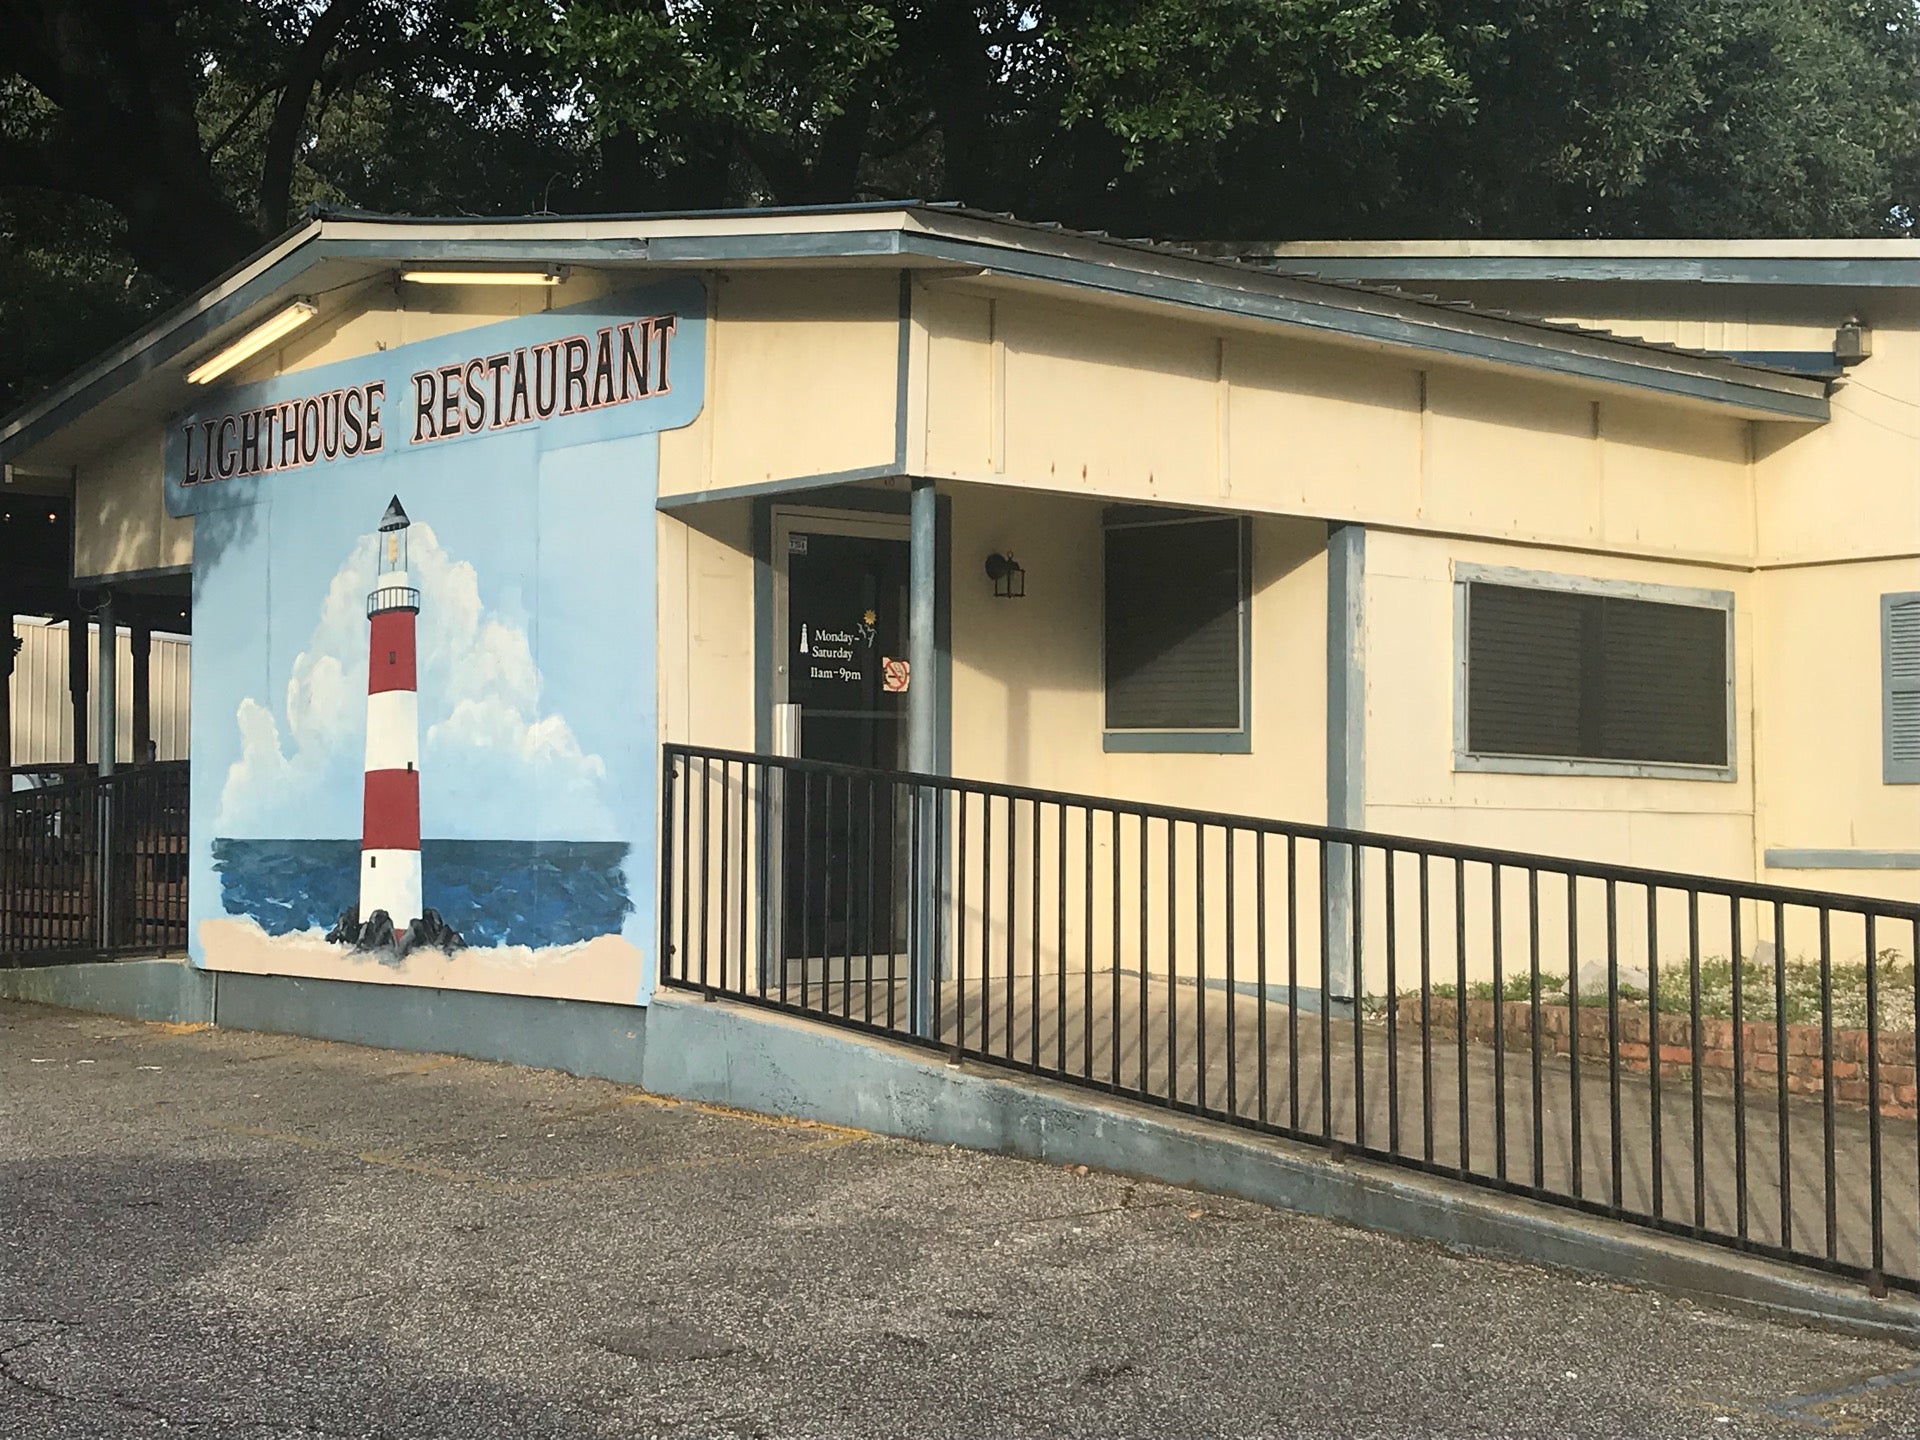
923,698
107,673
142,691
1346,747
9,652
77,678
923,708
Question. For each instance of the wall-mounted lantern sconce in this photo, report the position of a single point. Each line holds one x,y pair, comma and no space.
1853,341
1009,580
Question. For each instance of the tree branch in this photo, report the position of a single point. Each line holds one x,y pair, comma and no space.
233,126
290,114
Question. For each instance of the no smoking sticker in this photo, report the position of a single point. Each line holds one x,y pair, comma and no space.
894,675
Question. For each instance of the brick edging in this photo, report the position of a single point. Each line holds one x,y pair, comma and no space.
1803,1061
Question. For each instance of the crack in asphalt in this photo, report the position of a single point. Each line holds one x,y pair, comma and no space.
10,1372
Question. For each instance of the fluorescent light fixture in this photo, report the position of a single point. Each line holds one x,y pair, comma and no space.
551,275
275,327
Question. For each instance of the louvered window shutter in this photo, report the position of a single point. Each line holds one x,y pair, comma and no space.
1174,598
1565,675
1900,679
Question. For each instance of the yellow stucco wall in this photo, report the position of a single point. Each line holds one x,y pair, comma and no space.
1835,524
802,374
706,637
1818,722
120,520
1033,392
1028,692
1044,402
1412,786
1844,490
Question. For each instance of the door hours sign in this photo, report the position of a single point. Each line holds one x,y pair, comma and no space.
837,655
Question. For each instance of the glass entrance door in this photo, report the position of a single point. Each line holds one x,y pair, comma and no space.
840,636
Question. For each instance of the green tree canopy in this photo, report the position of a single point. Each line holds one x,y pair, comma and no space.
147,144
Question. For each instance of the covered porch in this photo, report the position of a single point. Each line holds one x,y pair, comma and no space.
1019,635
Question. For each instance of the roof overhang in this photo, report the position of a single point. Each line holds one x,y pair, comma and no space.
336,256
1852,264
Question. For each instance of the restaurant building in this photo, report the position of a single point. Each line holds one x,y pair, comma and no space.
915,488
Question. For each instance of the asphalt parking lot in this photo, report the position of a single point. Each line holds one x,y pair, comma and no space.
210,1233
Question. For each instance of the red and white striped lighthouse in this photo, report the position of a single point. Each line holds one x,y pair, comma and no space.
390,828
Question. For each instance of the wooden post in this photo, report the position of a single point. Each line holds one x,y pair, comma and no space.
9,650
142,689
106,681
77,678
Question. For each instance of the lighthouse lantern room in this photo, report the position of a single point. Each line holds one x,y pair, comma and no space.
390,832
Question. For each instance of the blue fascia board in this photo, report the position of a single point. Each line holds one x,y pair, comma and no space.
1416,269
799,245
785,485
1790,859
1818,363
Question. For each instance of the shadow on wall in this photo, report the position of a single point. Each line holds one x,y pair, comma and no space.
1042,656
120,514
1035,659
215,532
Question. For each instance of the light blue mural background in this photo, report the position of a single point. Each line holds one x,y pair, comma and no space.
556,519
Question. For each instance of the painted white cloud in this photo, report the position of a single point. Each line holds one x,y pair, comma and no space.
493,763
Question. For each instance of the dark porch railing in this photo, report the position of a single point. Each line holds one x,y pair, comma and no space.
1728,1061
95,867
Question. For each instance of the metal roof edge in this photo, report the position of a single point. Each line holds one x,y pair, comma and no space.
1888,264
998,243
135,347
328,232
1783,247
1425,325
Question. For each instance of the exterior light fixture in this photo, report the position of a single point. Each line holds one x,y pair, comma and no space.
275,327
1853,341
549,275
1009,580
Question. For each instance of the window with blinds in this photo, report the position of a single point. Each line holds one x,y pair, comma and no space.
1560,674
1175,615
1900,686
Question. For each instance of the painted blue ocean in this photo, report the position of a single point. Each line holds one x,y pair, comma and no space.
494,892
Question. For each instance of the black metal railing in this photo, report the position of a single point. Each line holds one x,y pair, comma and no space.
95,867
1723,1060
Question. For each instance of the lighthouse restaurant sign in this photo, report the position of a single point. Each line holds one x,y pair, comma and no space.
562,366
419,756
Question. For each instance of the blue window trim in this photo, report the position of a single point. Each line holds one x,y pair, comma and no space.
1892,771
1237,741
1466,575
1787,859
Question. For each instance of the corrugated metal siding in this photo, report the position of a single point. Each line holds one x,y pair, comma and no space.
43,710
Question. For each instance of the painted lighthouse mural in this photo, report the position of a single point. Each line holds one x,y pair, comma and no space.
390,832
421,756
391,915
